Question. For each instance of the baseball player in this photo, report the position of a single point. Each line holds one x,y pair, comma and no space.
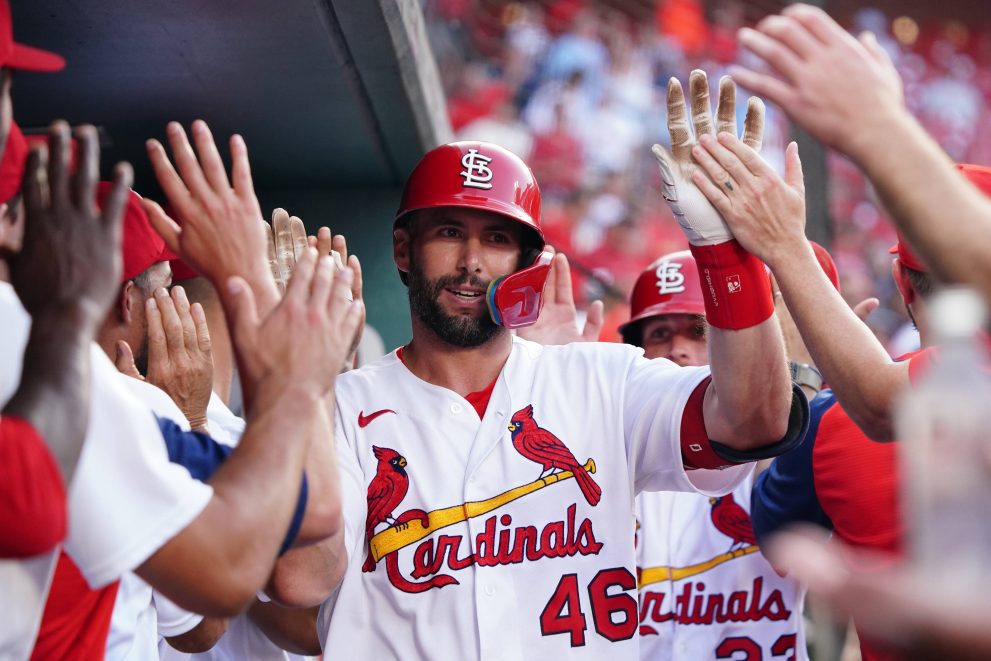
488,481
706,592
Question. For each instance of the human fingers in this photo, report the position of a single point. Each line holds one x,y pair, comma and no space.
88,170
323,279
340,244
341,299
35,182
865,308
188,165
711,156
243,312
114,204
285,255
273,257
740,159
58,164
562,285
681,136
357,284
209,157
241,167
790,33
765,85
299,284
297,231
698,90
593,322
172,184
185,315
772,51
793,168
167,228
753,124
816,22
171,324
124,360
726,112
203,342
158,350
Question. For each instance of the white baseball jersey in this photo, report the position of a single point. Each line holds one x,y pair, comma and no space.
706,592
125,500
499,544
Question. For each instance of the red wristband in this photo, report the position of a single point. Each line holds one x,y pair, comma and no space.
735,286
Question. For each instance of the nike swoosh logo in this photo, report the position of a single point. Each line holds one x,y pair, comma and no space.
365,420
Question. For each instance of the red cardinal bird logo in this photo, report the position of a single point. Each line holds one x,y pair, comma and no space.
542,447
732,520
386,490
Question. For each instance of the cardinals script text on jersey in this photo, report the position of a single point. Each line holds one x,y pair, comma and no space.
514,530
706,592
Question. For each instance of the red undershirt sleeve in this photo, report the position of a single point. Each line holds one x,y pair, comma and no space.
32,495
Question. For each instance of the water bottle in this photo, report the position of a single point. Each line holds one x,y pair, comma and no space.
943,424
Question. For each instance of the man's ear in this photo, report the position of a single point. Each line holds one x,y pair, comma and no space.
902,281
124,302
401,246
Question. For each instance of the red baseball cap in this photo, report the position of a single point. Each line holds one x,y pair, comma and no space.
18,56
980,176
827,264
182,271
15,156
142,246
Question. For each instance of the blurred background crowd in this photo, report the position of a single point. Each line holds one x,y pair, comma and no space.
576,88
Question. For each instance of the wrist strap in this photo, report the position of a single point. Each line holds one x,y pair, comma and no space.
805,375
735,286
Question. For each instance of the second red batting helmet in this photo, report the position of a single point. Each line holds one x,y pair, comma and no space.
668,286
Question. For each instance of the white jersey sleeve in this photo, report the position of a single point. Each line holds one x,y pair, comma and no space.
126,499
656,392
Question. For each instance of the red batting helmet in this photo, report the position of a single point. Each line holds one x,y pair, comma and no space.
668,286
487,177
474,175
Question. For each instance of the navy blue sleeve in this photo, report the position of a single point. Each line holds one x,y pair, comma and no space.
785,493
201,455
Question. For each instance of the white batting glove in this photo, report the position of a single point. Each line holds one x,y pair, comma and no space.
699,220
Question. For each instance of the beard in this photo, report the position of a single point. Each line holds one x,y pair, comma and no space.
456,330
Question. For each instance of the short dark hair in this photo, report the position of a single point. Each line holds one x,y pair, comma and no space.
921,282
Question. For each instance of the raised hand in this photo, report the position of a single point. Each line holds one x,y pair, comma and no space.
312,326
70,259
697,217
765,212
66,275
286,238
179,356
218,232
558,320
833,85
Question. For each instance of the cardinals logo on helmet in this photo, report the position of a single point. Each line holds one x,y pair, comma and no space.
476,173
542,447
670,279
